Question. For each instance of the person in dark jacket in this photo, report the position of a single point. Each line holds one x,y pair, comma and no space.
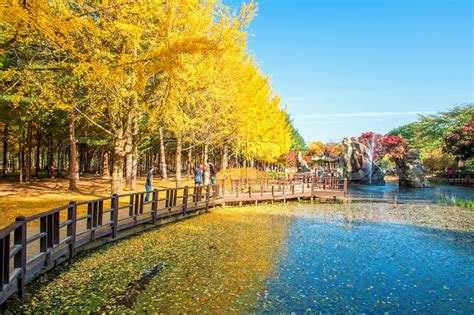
149,183
213,172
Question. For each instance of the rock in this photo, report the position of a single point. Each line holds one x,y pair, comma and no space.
302,164
359,165
411,172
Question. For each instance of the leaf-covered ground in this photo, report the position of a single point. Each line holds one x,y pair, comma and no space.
214,262
217,262
46,194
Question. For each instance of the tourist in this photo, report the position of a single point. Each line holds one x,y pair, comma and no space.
321,172
149,183
212,172
450,172
198,175
206,175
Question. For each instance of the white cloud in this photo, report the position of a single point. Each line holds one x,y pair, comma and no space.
366,114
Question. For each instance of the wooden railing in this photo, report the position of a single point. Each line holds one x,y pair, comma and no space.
35,244
461,178
282,187
57,235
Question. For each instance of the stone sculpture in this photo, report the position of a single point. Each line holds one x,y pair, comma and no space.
359,164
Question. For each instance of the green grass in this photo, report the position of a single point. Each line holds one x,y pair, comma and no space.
463,203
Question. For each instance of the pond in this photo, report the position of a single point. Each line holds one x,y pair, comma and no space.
349,266
371,257
392,192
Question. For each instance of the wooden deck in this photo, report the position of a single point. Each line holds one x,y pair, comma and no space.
461,178
31,246
283,192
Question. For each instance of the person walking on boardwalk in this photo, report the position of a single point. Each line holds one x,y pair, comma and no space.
212,172
198,175
149,183
207,176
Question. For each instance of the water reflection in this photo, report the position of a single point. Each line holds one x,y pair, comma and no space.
392,192
353,266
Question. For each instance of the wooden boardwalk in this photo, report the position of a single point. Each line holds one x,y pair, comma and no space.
33,245
282,190
461,178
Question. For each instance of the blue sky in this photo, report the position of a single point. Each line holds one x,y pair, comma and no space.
348,66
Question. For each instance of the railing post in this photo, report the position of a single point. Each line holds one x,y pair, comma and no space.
72,227
215,191
196,194
185,198
56,234
142,202
154,206
175,197
5,263
346,186
273,193
168,198
207,196
19,260
89,216
223,188
136,206
130,206
250,191
115,215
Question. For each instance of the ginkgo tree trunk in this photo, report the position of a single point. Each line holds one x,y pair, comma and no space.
178,160
73,165
164,167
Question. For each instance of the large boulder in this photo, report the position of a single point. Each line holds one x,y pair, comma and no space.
359,165
411,172
302,165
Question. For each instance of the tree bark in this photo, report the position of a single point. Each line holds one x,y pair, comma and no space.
21,156
189,168
117,166
105,164
28,151
5,150
51,158
164,173
128,163
43,152
60,162
73,166
225,157
134,170
178,161
13,161
37,162
206,153
154,161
